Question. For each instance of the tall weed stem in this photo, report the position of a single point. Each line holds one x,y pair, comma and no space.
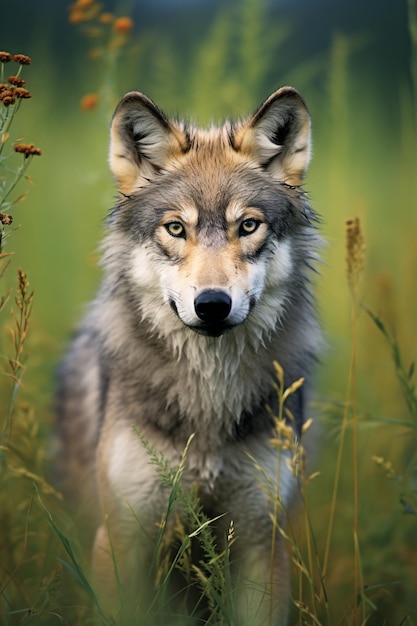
355,263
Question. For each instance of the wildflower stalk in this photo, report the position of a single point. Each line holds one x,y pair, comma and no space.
6,120
23,301
18,176
351,392
285,439
312,556
335,487
355,262
10,96
12,93
277,501
5,123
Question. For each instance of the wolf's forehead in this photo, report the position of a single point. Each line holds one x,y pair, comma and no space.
214,188
214,172
214,138
214,148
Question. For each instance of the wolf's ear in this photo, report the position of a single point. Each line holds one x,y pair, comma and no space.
142,141
277,136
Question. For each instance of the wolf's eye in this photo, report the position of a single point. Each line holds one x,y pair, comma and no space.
175,229
248,226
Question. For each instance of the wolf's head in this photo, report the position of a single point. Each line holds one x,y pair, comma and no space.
210,219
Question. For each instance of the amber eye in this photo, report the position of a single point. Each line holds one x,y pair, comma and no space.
248,226
175,229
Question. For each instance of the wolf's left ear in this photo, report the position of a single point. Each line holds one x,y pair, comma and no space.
142,141
277,136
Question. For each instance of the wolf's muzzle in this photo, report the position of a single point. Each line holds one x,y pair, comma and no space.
213,306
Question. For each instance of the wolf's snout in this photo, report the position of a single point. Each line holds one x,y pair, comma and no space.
213,305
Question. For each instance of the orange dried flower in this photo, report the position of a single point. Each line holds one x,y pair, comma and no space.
7,99
76,17
123,25
84,4
106,18
22,59
16,81
6,219
89,101
27,149
83,11
20,147
21,92
5,91
5,57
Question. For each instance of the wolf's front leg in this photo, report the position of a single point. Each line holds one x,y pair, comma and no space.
113,565
260,552
121,566
264,585
133,502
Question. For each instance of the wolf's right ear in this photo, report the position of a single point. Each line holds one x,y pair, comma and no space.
277,136
142,141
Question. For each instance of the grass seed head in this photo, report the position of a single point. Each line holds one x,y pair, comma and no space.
355,250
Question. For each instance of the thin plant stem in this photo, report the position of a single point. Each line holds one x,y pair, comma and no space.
276,509
336,483
355,460
11,112
308,537
19,173
355,262
23,301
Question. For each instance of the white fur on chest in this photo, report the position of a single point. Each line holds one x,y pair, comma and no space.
218,378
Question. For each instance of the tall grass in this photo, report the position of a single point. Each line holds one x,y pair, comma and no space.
354,543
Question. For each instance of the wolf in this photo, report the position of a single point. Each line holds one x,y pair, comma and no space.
207,270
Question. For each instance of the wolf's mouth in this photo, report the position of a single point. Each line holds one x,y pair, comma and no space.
212,331
204,328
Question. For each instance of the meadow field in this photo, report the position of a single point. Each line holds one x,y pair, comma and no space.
354,546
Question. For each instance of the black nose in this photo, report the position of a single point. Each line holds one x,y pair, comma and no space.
213,305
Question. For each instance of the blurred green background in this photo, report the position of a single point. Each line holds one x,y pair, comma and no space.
355,63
